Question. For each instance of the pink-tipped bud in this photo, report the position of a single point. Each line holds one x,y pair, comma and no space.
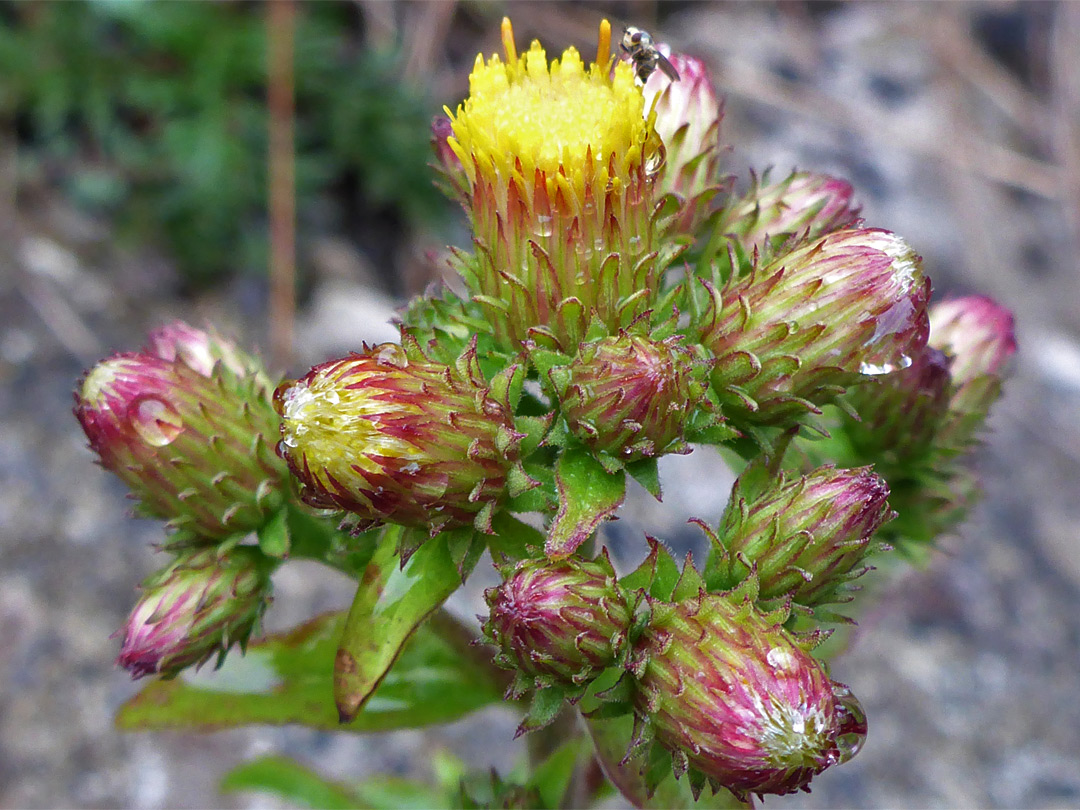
196,608
559,623
805,537
979,337
201,351
977,332
392,436
189,426
790,335
629,396
737,701
804,204
688,117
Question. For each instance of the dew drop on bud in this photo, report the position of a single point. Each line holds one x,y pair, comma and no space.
877,369
155,421
390,354
852,719
543,226
281,396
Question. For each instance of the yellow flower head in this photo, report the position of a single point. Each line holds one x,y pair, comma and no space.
560,159
565,119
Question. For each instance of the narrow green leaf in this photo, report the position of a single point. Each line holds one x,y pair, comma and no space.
390,603
588,495
290,780
551,779
288,678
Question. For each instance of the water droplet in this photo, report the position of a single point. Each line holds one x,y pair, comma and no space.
289,440
877,369
543,225
852,718
411,468
155,421
390,354
780,659
332,397
282,394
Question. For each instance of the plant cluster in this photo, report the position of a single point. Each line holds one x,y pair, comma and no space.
622,303
154,114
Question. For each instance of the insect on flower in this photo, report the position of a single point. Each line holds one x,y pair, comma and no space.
638,45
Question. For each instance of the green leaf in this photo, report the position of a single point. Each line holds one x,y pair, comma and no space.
390,793
588,495
513,539
390,603
288,678
274,535
290,780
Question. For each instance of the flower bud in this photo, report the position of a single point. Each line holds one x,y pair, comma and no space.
630,396
392,436
804,204
791,334
805,537
978,334
202,351
900,413
734,697
688,117
559,622
186,425
197,607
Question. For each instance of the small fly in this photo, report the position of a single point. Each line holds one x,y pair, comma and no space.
638,45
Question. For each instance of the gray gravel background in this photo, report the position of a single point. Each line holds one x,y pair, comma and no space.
969,671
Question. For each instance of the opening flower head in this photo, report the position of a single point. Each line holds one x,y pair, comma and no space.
560,160
579,125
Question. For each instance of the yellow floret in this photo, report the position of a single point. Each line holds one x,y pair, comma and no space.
334,423
551,117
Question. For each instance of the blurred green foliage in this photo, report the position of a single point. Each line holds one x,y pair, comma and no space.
154,113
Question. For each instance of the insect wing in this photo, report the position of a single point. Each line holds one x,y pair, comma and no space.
666,67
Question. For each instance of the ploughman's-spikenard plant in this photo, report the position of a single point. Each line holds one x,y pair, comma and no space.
618,302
